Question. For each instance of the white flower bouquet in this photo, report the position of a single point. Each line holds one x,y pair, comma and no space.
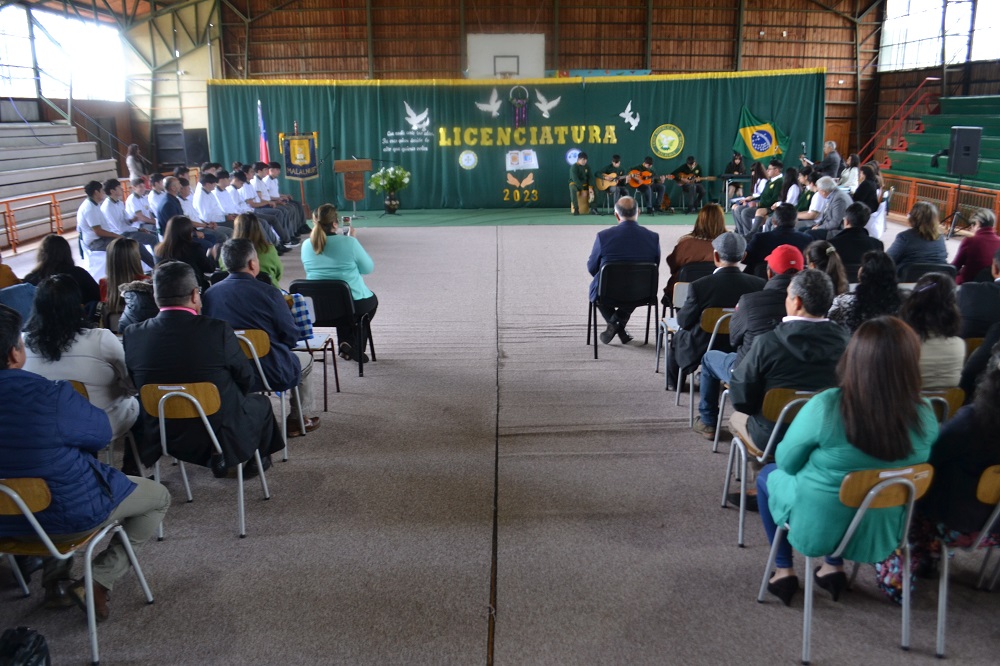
389,179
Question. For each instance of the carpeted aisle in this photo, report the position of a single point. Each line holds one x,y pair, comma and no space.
377,544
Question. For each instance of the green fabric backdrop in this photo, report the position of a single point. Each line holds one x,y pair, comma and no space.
369,120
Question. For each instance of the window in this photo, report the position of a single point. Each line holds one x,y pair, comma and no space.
16,75
912,33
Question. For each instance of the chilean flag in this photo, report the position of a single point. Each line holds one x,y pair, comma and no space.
265,154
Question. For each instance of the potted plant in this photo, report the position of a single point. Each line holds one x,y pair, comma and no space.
388,181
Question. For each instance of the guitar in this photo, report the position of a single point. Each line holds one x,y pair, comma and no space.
636,178
606,180
695,179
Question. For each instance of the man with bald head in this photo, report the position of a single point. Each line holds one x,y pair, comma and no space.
626,241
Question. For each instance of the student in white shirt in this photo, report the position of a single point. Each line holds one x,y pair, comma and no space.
267,190
233,204
157,191
116,221
137,206
271,180
212,231
89,219
207,204
278,217
816,205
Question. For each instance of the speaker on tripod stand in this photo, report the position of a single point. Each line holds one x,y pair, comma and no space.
963,160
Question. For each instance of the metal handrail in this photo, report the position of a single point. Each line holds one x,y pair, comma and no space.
882,134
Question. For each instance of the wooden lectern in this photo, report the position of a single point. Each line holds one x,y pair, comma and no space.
354,179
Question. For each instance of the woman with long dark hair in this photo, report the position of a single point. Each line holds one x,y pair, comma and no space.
823,256
875,419
60,345
877,292
849,176
327,255
178,244
932,311
695,247
54,257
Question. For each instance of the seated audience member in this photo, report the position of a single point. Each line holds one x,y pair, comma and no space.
867,192
800,353
234,206
90,221
60,345
245,302
839,431
756,313
269,218
854,240
790,188
212,231
759,180
7,276
736,167
157,192
209,210
877,293
179,345
181,171
695,247
750,220
124,267
179,245
810,213
327,255
19,298
279,218
829,221
822,256
783,233
116,221
722,289
975,254
168,204
968,443
137,206
976,364
805,192
979,303
849,176
50,431
288,219
932,312
626,241
55,257
249,227
922,243
274,193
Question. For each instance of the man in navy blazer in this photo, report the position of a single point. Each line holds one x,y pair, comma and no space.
626,241
244,302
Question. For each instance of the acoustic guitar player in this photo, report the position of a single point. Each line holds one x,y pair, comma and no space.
612,177
688,177
645,181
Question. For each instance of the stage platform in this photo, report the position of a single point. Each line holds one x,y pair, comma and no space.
499,217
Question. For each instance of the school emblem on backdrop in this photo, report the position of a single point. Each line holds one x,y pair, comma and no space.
667,141
468,160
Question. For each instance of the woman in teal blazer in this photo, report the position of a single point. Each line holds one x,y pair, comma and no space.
875,419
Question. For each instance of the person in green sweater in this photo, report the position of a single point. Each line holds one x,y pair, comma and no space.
844,430
247,225
580,179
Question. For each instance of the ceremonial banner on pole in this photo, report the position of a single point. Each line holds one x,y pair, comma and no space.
265,154
300,156
758,138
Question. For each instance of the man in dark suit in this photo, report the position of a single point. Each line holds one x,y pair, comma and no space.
167,204
979,303
179,345
854,240
243,301
832,164
722,289
760,246
626,241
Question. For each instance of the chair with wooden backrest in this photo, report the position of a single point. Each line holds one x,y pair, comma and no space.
864,490
945,401
971,345
197,400
333,301
256,344
987,492
109,451
624,284
30,496
668,325
317,344
716,322
781,406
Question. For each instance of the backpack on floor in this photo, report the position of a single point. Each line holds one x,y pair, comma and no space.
23,647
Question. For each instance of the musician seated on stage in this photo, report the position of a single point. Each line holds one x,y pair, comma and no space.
688,177
736,168
580,179
645,181
613,176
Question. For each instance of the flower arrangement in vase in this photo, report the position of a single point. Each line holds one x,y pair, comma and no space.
388,181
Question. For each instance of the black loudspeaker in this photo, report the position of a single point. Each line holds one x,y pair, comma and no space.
963,151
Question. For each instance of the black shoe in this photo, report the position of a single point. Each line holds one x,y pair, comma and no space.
593,211
576,212
304,230
734,498
281,249
348,354
608,334
28,564
784,588
624,336
56,595
218,466
649,211
834,583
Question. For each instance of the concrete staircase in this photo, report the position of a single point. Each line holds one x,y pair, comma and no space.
37,159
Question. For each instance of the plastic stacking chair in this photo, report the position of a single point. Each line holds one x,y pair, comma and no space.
781,405
319,343
109,451
31,496
864,490
624,284
197,400
256,344
716,322
333,302
987,492
945,402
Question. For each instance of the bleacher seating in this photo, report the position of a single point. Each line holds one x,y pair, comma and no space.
915,161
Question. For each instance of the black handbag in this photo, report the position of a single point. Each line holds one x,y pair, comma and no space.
23,647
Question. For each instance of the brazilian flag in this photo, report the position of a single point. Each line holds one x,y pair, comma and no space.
757,138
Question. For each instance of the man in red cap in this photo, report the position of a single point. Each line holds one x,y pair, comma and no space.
756,313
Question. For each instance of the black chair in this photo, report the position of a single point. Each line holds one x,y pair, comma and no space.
913,272
688,273
333,302
851,270
624,284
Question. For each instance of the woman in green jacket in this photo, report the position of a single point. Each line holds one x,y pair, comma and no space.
876,419
247,225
